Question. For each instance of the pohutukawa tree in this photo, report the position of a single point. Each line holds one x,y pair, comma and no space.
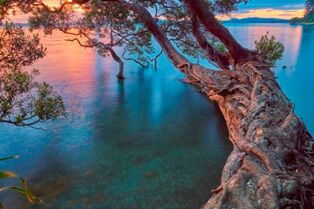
271,165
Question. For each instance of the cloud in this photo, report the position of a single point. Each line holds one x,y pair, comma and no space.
265,13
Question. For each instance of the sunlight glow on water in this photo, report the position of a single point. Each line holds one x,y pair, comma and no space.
142,143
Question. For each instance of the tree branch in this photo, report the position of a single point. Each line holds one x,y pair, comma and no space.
238,53
132,59
213,55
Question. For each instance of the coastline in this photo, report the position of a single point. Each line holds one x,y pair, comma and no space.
302,23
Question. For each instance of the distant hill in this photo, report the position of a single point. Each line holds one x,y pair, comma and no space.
256,20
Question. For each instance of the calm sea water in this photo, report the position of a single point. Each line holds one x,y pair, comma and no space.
150,142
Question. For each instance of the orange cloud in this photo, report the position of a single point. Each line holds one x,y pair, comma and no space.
265,13
56,3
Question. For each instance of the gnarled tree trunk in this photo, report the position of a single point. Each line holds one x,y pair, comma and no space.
272,164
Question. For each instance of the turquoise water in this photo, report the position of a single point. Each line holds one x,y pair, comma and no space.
150,142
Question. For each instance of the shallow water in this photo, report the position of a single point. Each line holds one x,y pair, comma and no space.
146,143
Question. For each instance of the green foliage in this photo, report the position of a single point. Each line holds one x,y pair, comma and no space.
309,7
296,20
309,18
269,49
17,49
178,26
23,189
3,2
227,6
23,101
114,25
120,27
308,15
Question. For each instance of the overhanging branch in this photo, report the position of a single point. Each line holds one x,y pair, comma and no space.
212,54
237,52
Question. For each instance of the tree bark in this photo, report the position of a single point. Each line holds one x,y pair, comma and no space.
271,165
199,9
114,55
212,54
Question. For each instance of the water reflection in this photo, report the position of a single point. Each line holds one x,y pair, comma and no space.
298,83
148,141
289,35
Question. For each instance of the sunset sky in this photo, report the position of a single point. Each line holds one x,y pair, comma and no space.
284,9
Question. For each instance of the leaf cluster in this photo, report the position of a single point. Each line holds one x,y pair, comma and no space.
24,101
227,6
269,49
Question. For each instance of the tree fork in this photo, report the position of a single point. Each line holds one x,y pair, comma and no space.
213,55
238,53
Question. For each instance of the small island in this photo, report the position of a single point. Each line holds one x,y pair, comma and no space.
308,16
